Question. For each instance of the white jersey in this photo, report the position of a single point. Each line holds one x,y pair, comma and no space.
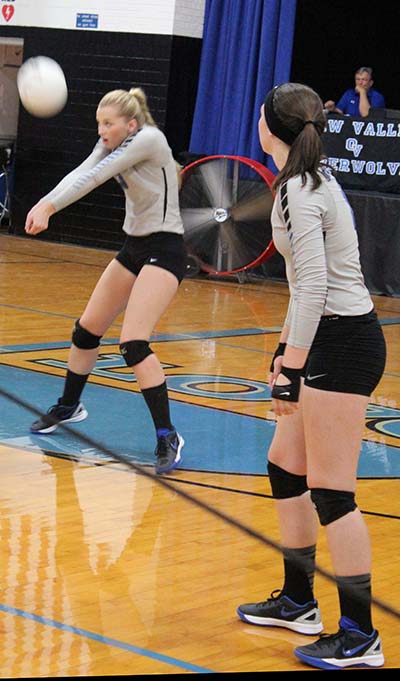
146,170
314,231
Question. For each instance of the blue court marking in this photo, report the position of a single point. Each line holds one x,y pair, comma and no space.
31,309
105,639
196,385
389,320
216,440
162,337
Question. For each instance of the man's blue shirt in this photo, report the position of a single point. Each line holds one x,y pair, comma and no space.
349,103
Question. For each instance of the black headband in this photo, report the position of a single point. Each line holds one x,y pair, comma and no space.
275,124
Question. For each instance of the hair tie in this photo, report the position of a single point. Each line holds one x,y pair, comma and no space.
314,123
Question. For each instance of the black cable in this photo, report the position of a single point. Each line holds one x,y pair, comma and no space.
160,480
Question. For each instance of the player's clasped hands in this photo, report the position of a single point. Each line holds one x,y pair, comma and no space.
285,404
279,383
37,219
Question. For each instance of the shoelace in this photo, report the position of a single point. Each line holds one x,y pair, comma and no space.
338,634
163,444
272,597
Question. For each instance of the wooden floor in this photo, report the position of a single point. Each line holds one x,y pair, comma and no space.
104,569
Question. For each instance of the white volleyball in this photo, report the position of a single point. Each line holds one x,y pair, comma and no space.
42,86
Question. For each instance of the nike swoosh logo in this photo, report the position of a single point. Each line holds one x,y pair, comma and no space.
311,378
357,649
282,394
153,260
288,613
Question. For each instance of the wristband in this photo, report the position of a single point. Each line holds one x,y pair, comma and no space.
289,392
280,350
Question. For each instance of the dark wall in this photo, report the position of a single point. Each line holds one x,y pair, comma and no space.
182,91
334,37
94,63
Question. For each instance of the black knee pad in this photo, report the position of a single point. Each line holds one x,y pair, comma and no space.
332,504
83,339
135,351
284,484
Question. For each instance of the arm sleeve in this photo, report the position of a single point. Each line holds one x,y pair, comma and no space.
288,314
100,167
309,264
90,162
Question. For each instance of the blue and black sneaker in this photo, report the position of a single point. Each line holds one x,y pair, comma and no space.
349,647
281,611
59,413
168,450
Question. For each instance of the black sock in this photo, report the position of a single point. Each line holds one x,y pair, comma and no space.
356,604
74,385
299,573
158,404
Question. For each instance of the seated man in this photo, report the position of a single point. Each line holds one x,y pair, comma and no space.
359,100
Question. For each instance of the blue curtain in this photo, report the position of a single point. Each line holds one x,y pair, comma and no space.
247,49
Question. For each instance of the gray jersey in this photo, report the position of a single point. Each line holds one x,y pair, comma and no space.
146,170
314,231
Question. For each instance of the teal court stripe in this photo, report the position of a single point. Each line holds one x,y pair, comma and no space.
390,320
104,639
227,333
162,337
21,308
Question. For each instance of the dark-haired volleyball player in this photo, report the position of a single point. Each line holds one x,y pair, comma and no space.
143,278
330,358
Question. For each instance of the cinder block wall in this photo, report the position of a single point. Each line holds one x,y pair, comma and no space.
95,62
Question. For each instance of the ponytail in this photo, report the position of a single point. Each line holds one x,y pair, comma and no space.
139,94
132,104
304,157
294,114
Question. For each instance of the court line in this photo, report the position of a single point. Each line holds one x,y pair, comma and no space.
85,633
387,321
159,338
219,488
163,482
109,464
45,259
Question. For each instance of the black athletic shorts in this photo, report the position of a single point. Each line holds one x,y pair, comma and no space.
348,355
163,249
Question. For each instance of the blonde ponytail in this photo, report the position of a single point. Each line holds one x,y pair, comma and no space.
139,94
132,104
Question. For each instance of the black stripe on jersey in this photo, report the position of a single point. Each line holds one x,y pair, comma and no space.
165,193
81,181
285,206
121,181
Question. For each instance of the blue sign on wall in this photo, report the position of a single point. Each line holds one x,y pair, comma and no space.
87,20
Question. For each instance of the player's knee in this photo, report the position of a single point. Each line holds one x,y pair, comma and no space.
135,351
285,485
84,339
332,504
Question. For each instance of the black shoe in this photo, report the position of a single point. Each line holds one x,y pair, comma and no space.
281,611
59,413
168,451
348,648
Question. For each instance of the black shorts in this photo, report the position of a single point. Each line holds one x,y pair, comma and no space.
163,249
348,355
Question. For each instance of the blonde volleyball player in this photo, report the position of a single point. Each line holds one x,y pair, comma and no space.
143,278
